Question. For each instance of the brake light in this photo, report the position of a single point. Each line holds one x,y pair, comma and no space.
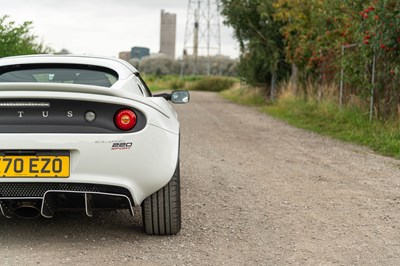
125,119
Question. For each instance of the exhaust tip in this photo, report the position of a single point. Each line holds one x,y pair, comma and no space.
27,210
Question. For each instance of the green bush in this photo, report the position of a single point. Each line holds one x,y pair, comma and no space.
191,78
176,84
18,40
212,83
165,82
201,83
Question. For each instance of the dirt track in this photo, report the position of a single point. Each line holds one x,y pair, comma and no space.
255,191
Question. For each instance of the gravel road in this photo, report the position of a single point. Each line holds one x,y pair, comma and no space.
255,191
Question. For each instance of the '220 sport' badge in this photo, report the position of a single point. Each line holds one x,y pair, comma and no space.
121,146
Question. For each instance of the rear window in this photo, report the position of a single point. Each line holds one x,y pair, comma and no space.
72,74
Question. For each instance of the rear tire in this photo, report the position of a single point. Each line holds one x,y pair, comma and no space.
161,211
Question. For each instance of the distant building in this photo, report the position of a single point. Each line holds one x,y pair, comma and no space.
168,34
139,52
63,51
125,55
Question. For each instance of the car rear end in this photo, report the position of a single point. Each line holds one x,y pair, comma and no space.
80,146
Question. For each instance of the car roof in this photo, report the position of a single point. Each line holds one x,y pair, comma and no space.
123,68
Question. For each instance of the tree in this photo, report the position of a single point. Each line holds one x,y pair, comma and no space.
314,31
379,30
261,43
159,64
17,39
322,40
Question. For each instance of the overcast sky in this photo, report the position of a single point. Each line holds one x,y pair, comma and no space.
104,27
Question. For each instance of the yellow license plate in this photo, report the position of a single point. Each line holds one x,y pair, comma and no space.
34,166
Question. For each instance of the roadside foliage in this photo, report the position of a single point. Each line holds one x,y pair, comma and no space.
323,42
160,65
17,40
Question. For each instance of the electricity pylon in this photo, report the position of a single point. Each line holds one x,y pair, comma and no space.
202,34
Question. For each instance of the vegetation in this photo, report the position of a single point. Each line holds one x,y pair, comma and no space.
17,39
163,65
320,41
259,38
165,82
348,123
354,43
212,83
200,83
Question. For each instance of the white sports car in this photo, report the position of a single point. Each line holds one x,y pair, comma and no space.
86,132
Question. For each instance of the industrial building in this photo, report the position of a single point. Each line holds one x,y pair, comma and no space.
125,55
139,52
168,34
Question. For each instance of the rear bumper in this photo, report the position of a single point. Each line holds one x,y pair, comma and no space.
49,197
140,170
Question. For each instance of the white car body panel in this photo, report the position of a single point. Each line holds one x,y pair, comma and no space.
124,69
143,169
142,173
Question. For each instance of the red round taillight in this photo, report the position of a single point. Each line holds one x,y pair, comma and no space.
125,119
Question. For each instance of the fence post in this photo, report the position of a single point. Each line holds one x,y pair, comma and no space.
273,84
341,79
371,107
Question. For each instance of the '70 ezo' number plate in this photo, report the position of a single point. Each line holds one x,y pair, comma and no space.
34,166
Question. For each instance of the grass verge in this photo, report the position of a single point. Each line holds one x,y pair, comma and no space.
200,83
349,124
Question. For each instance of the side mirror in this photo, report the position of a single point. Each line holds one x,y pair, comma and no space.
180,96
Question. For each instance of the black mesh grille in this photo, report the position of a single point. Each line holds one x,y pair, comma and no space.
38,189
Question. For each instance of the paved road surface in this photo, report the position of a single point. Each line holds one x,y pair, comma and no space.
255,191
